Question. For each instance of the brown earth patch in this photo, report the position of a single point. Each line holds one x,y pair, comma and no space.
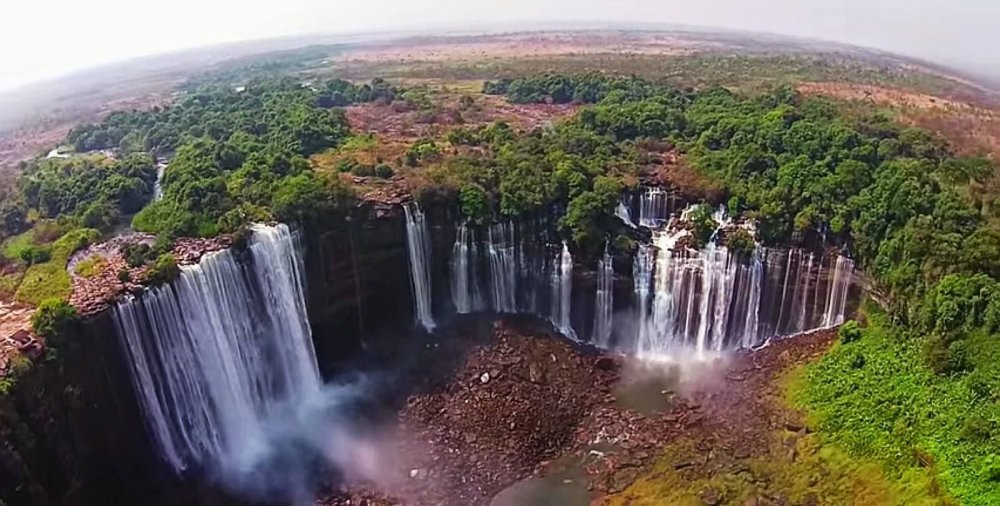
883,96
523,45
970,129
97,293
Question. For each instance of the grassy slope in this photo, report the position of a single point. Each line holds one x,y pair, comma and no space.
799,468
50,279
877,400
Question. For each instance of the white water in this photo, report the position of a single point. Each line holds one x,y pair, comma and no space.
623,213
464,278
217,353
711,300
503,267
604,303
418,246
161,167
687,303
842,273
655,207
562,288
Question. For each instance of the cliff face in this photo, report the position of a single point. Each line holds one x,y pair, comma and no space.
357,280
71,430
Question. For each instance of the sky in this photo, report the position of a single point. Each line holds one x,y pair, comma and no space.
42,39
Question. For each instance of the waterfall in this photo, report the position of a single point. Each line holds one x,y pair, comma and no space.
654,207
418,245
840,283
754,280
687,302
562,288
219,351
603,306
623,213
503,267
161,167
709,300
642,276
464,275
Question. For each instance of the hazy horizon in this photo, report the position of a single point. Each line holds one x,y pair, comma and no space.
57,40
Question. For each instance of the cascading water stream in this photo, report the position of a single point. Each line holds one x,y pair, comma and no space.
603,305
623,213
464,277
687,302
219,351
655,207
842,275
418,246
503,267
562,287
710,300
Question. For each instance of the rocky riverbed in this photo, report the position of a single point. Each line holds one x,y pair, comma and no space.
529,407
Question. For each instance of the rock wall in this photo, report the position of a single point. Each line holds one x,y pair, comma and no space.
71,430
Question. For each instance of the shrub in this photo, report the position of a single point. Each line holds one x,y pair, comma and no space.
463,137
740,241
124,276
362,170
976,428
474,203
239,217
32,255
136,254
959,359
384,171
944,358
980,385
991,468
54,320
163,270
90,266
703,224
421,151
849,332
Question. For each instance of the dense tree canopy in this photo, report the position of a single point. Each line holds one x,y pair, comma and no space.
260,136
92,187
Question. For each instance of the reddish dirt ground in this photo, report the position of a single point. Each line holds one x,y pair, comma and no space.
524,45
972,129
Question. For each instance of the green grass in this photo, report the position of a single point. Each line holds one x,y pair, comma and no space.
14,245
362,142
877,400
50,279
90,266
818,471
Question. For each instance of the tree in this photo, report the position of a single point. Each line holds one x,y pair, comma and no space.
299,198
55,320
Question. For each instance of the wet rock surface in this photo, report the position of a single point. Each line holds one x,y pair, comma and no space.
531,405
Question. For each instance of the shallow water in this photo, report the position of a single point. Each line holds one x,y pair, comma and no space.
649,394
567,488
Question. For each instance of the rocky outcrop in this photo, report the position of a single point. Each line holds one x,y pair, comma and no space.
96,293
